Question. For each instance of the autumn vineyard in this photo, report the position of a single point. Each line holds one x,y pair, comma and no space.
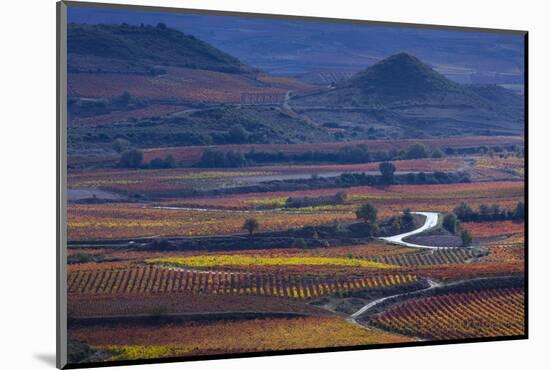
216,207
155,280
491,313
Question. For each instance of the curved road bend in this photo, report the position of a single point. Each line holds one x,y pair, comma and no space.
430,223
432,284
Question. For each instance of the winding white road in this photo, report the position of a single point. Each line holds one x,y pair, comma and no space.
432,284
430,223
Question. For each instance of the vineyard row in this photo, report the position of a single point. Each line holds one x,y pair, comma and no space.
488,313
436,257
157,280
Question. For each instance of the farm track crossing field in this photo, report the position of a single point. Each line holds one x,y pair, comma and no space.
489,313
177,280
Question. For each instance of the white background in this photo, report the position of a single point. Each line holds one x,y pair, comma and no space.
27,162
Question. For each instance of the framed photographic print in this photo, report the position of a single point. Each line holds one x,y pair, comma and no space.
235,184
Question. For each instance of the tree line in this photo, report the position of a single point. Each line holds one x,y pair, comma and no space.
213,158
486,212
347,154
464,213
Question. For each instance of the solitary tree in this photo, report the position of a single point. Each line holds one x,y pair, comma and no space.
450,222
368,213
407,219
131,158
387,169
466,238
416,151
212,158
395,225
169,161
251,225
437,153
340,197
156,163
235,159
120,145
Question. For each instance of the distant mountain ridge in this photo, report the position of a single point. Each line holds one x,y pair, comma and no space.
288,47
142,49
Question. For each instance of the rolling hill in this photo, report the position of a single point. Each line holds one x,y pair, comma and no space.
142,49
402,93
163,87
156,86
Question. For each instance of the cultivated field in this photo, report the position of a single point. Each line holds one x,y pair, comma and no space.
216,208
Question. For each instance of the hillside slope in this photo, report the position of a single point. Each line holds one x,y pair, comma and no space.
144,49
